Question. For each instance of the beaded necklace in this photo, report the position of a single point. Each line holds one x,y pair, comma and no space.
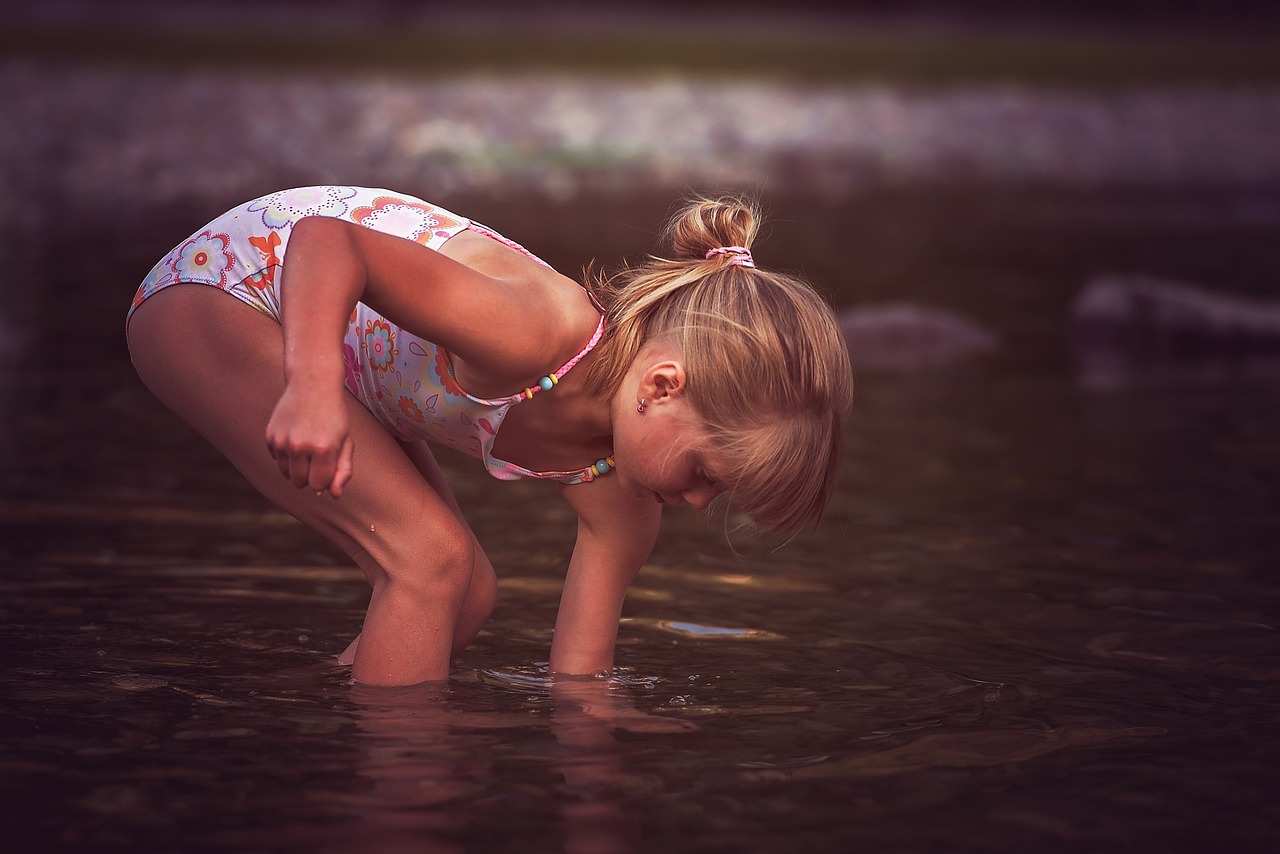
605,464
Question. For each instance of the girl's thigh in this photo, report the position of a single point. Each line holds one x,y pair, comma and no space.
219,365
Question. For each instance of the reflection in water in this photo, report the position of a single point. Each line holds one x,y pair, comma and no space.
420,762
1041,622
599,817
1064,604
428,757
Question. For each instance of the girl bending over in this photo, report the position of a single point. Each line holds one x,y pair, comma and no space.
395,323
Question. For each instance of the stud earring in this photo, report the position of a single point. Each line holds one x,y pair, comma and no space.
640,408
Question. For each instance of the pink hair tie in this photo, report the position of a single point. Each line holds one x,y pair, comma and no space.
741,255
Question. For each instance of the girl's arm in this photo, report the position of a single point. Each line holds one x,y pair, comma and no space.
616,533
497,327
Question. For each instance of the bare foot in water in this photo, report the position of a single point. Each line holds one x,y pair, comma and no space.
348,655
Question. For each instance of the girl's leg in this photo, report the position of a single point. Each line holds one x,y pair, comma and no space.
219,365
483,590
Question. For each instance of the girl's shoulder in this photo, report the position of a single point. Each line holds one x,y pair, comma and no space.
532,318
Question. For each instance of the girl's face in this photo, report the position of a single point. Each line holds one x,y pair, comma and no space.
666,455
664,452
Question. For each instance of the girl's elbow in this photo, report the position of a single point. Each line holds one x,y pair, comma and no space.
329,241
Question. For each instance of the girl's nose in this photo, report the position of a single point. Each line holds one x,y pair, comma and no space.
699,498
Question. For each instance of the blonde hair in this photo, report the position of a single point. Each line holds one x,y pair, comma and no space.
766,365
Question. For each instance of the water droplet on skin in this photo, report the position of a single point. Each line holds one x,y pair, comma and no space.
303,638
371,529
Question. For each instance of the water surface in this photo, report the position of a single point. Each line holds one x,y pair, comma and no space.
1038,616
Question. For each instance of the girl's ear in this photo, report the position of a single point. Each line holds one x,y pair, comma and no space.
664,380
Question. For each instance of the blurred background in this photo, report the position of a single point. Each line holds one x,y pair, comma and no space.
977,156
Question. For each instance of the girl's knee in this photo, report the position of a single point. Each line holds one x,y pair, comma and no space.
484,587
482,596
441,564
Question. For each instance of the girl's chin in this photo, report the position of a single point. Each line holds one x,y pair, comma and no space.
636,490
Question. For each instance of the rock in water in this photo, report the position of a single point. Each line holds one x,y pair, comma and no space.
907,336
1140,328
1148,317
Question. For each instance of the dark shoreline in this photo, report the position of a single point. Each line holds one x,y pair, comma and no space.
805,45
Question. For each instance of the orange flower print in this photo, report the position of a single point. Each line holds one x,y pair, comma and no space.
262,279
267,247
414,220
409,405
379,344
445,375
263,285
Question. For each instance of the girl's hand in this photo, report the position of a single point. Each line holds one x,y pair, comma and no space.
310,439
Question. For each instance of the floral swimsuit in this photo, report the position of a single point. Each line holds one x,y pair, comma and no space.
405,381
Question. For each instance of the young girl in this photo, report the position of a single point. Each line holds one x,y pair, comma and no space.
396,322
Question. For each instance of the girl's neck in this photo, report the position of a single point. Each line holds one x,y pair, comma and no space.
580,412
564,428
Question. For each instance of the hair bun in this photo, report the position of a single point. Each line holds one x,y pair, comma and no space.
707,224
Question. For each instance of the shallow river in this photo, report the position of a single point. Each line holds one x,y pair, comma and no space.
1038,616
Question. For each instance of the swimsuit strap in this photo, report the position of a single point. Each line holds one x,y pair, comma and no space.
503,469
489,232
595,339
552,379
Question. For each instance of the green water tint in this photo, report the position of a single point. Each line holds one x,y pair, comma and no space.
1036,616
